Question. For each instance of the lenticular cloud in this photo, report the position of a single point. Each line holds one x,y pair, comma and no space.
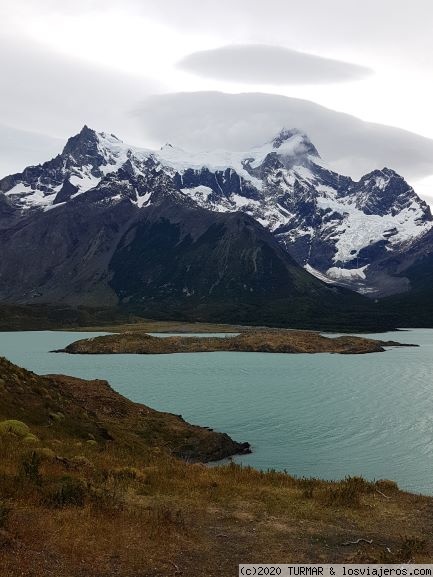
263,64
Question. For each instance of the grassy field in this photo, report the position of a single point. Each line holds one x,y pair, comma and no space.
92,485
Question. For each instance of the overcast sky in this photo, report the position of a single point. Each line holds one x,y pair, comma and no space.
104,63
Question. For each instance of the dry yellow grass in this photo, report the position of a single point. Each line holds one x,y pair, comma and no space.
70,508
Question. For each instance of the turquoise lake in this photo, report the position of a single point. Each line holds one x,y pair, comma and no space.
319,415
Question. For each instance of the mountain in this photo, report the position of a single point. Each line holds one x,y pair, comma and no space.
211,120
168,260
415,269
104,224
336,228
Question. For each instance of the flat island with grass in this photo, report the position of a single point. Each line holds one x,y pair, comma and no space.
253,341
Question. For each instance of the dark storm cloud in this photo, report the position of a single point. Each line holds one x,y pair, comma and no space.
263,64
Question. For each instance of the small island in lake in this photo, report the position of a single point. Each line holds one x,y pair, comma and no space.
253,341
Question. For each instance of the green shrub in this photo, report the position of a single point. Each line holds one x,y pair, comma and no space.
30,439
16,428
56,417
45,454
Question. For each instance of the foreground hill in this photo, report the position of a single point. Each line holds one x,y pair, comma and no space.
90,486
86,410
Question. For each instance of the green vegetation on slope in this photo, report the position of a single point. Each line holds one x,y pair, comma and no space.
92,411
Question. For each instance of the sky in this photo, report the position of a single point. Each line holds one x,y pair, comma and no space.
203,73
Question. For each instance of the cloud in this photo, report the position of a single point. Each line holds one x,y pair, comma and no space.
20,148
53,94
263,64
424,188
215,120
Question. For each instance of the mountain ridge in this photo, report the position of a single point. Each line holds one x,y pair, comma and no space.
333,226
215,236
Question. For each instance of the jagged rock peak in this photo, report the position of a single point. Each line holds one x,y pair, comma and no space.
88,141
383,175
85,142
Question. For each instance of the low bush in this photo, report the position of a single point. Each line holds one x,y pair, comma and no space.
69,492
131,473
307,487
29,468
45,454
30,439
107,497
347,493
13,427
164,517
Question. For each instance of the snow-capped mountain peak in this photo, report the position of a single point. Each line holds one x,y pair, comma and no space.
326,221
86,158
386,192
294,141
289,149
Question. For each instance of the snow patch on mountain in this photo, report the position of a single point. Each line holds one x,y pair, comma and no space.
318,274
83,179
359,230
339,274
198,193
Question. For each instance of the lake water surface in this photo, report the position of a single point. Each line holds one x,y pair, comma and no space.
316,415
